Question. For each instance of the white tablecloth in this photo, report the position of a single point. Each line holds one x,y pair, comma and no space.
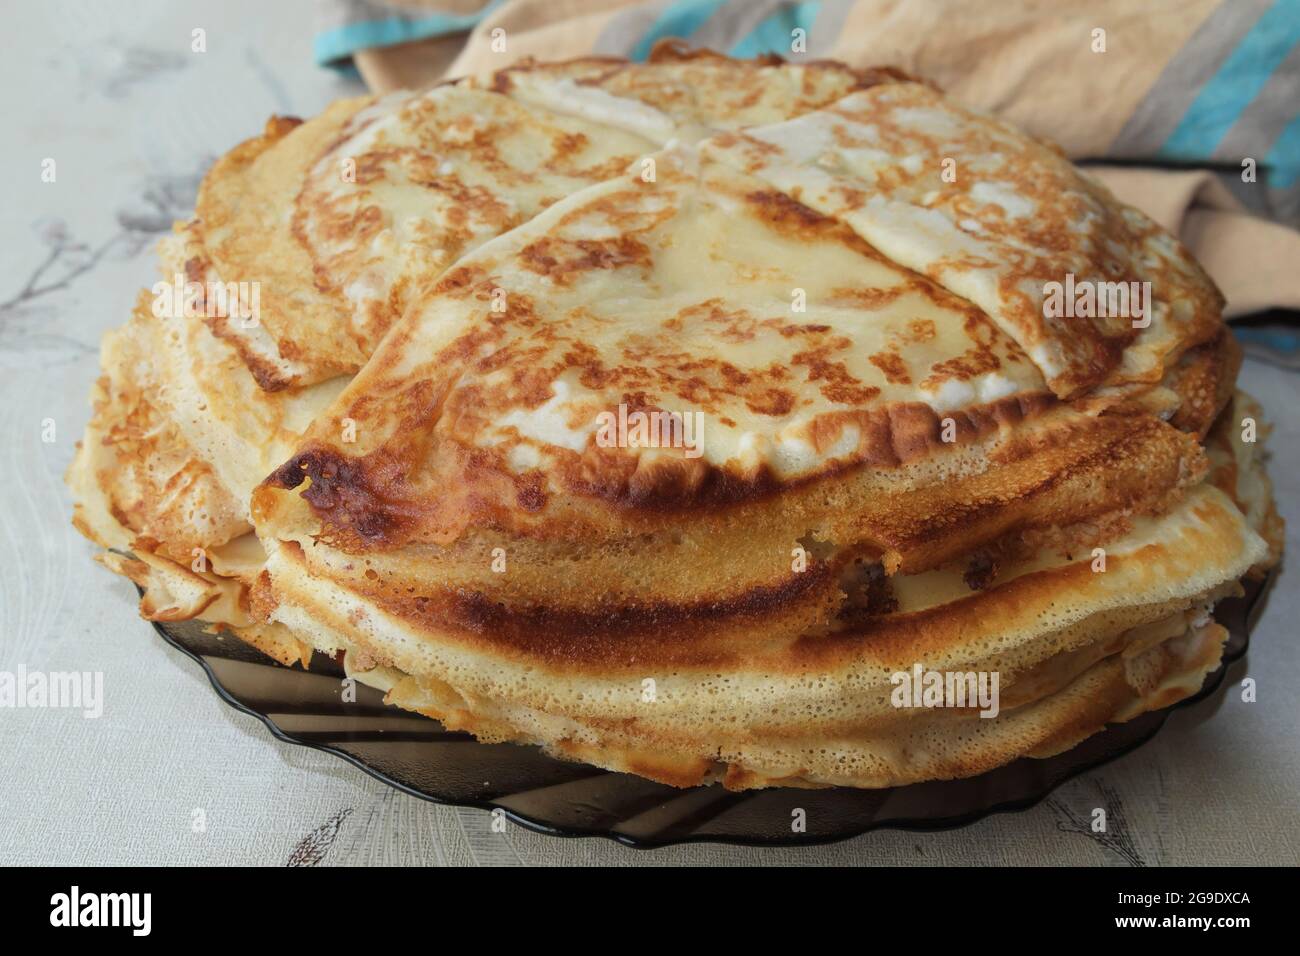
113,94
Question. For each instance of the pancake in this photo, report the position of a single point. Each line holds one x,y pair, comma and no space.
243,233
134,473
693,405
680,93
180,435
998,219
1238,468
482,410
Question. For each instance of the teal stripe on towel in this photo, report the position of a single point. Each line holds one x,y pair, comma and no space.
680,20
1238,81
334,47
773,34
1283,160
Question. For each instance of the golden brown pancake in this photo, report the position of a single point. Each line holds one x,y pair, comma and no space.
998,219
683,93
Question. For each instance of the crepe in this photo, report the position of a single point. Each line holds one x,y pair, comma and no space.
694,404
997,219
681,93
674,298
162,475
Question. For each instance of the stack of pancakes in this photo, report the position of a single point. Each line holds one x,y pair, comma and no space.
878,443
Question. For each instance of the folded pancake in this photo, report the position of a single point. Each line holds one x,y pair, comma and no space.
998,219
839,394
181,431
180,435
681,93
135,474
1236,450
243,233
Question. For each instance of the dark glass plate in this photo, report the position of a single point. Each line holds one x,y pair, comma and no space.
416,755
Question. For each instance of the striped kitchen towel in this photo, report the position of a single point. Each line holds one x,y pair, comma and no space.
1189,109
